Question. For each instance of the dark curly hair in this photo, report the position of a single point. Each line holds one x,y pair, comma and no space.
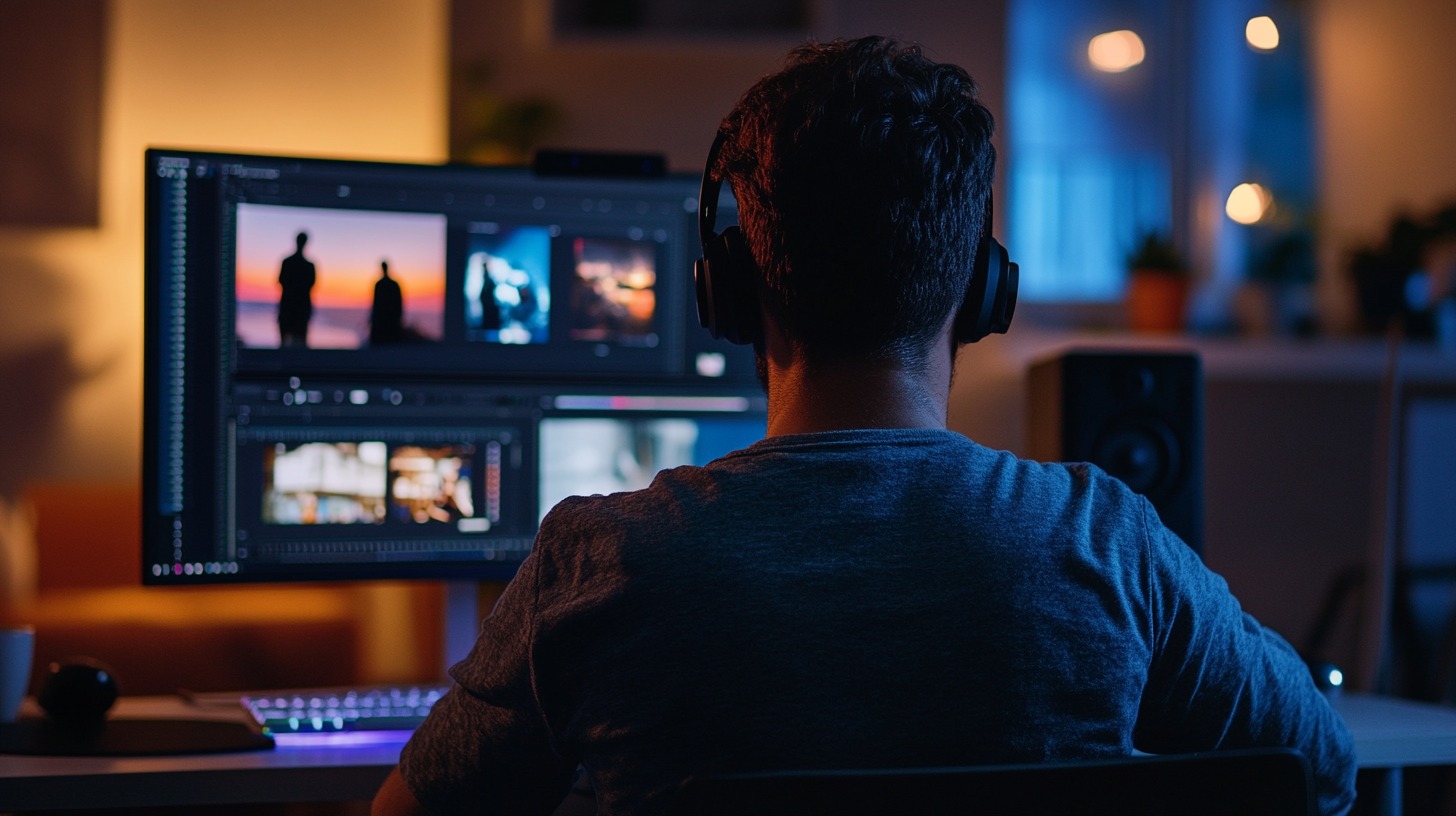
861,172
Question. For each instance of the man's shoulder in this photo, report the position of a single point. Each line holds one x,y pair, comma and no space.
671,492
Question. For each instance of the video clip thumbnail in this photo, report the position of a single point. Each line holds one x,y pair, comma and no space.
319,278
508,286
613,292
430,485
324,483
601,455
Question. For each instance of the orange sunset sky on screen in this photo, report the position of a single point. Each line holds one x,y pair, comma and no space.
346,247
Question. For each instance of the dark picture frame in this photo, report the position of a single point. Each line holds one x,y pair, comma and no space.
51,71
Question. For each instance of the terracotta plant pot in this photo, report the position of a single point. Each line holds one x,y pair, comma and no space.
1157,301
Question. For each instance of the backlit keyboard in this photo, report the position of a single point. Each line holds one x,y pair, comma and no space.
338,711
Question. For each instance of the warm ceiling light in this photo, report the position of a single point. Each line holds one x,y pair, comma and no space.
1248,203
1115,51
1262,33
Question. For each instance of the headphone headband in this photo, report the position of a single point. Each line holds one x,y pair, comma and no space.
708,192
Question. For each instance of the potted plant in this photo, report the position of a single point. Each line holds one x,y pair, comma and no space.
490,128
1413,259
1157,286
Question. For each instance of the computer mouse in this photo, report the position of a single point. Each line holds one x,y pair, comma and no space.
78,692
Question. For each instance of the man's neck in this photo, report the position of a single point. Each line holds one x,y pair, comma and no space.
853,395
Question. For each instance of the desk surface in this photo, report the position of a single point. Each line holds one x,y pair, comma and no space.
314,773
1388,734
1391,733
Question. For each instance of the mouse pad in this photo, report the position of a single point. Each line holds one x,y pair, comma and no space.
42,737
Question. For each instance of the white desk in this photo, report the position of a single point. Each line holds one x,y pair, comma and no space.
1389,735
1392,733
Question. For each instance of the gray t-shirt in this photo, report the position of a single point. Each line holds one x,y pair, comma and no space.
857,599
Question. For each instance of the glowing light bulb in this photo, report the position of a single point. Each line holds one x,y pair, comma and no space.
1115,51
1248,203
1262,34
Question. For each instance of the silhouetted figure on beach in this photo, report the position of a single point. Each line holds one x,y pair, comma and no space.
386,318
295,305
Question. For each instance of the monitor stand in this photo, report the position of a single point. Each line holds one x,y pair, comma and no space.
466,604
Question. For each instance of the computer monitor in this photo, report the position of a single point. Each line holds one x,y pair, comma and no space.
367,370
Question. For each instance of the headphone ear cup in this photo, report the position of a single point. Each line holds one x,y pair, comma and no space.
991,299
725,278
742,288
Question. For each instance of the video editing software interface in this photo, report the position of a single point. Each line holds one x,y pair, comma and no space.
375,370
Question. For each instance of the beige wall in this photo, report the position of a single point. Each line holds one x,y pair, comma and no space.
1388,121
667,95
355,78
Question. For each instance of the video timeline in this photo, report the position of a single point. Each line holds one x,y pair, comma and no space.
374,489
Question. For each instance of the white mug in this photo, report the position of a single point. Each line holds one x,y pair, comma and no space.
17,646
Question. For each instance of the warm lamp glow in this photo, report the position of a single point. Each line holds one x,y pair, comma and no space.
1262,34
1115,51
1248,203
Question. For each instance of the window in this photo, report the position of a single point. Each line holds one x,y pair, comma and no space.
1097,158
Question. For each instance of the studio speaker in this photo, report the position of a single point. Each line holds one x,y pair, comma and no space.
1137,415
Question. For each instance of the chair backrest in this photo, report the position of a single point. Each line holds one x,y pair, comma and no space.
1274,781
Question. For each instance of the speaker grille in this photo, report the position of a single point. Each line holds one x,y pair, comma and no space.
1137,415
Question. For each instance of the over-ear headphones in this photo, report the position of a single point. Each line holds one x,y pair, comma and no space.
726,276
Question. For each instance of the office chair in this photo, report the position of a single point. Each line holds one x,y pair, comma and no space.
1271,782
